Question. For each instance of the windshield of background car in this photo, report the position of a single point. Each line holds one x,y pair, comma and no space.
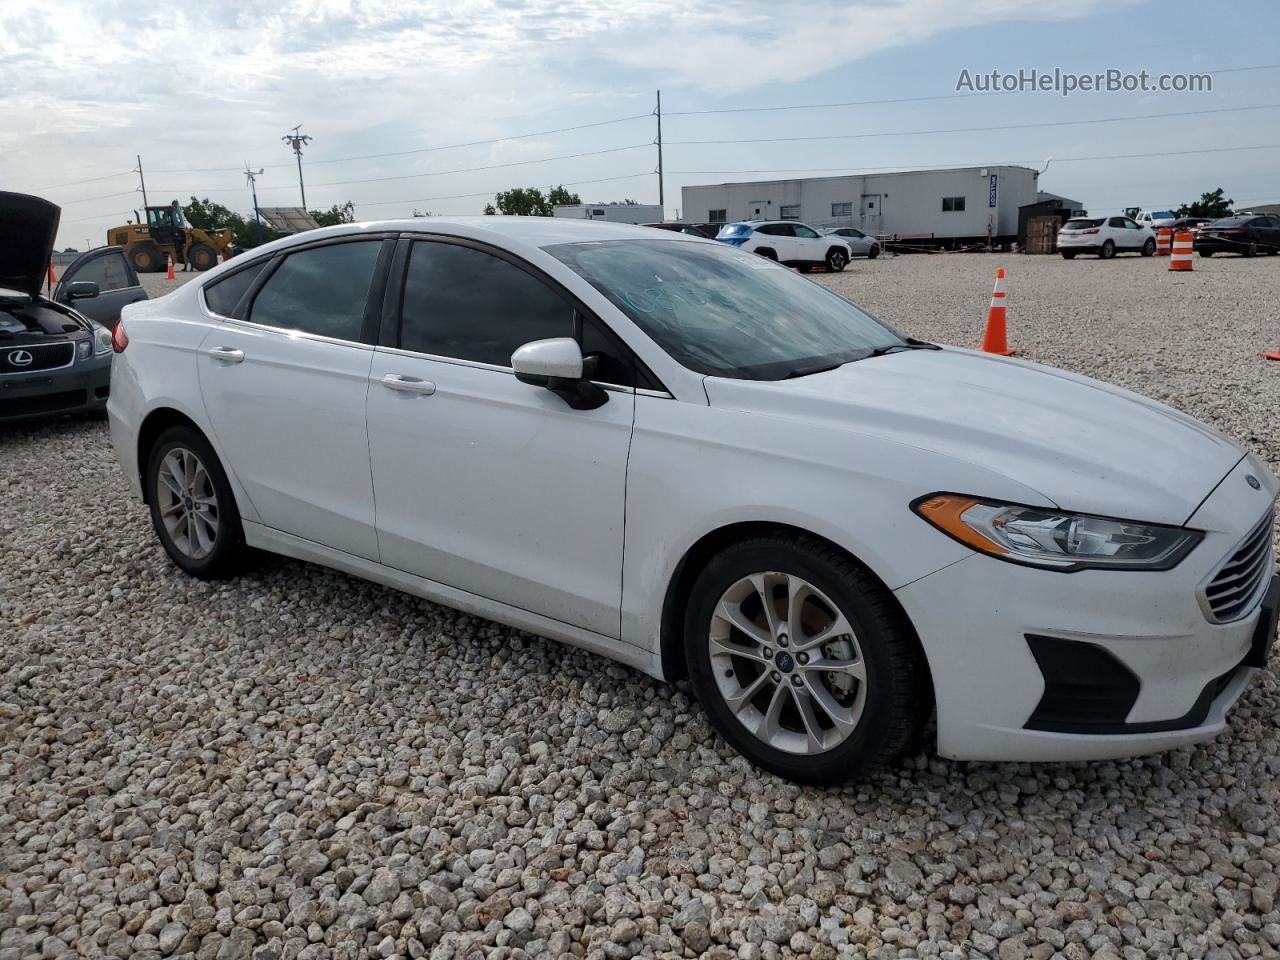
1081,224
723,312
1162,215
734,230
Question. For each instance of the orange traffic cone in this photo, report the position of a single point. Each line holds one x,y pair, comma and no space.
1180,259
1164,241
1273,355
994,339
53,277
169,273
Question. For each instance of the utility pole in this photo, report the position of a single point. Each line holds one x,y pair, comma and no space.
297,140
141,180
662,202
251,178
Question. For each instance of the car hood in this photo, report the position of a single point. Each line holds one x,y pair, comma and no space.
28,226
1082,444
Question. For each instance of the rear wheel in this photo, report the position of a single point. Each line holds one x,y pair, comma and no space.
836,259
1206,253
1251,250
768,254
802,661
193,510
1149,248
1108,250
146,258
202,257
1068,254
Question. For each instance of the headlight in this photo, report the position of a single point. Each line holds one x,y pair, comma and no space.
83,349
101,341
1054,538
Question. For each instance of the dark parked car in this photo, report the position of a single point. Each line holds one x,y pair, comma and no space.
1190,223
1245,233
692,229
53,359
117,281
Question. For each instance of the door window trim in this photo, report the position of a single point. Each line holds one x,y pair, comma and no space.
388,337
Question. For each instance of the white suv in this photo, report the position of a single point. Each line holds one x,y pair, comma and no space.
1105,236
795,244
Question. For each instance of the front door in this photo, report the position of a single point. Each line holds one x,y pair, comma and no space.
117,284
482,482
285,390
809,244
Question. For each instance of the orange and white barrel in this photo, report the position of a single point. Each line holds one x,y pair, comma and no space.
1164,241
1180,257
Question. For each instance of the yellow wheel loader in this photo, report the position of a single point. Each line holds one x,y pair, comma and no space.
167,234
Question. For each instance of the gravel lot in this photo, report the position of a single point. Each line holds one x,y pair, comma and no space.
299,764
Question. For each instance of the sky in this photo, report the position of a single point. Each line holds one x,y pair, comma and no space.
406,100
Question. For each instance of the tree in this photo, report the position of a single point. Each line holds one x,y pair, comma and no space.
488,210
338,213
207,215
529,202
560,197
70,250
1209,205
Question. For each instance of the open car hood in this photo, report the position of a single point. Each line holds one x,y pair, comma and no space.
28,226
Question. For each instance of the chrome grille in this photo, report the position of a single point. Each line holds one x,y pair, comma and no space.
1236,587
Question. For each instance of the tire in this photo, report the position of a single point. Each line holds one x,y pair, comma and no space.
836,259
146,258
202,256
1068,254
1206,253
218,549
1108,250
1251,250
768,254
1149,248
874,251
879,714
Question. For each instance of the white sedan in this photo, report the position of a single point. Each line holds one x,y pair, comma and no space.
692,460
860,245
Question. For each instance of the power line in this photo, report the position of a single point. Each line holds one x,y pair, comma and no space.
105,196
490,193
1008,126
905,167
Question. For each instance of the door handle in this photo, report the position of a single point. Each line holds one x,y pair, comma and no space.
394,381
226,354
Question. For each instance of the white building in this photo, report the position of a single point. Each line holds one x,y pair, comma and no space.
613,212
932,206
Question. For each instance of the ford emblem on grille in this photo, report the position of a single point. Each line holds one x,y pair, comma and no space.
20,358
1252,481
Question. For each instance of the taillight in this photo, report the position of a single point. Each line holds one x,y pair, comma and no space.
1090,230
119,339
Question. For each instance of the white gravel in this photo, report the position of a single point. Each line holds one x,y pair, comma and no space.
299,764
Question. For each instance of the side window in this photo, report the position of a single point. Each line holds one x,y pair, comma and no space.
322,290
108,271
223,295
1130,225
1116,222
805,232
467,304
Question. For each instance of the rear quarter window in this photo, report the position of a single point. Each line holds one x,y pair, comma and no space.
225,293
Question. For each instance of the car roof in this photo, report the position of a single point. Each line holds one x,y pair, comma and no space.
535,231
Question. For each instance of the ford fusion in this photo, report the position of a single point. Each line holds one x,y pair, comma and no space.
690,459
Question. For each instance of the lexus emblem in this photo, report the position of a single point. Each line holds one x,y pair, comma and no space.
20,358
1252,481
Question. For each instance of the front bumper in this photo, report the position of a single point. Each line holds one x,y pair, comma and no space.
81,387
1133,665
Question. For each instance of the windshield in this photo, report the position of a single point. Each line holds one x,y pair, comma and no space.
726,313
1162,215
1081,224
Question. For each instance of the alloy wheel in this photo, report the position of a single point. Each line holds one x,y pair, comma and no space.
188,503
787,663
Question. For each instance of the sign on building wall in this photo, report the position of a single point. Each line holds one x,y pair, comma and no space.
991,192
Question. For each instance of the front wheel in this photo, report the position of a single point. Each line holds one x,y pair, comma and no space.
836,259
874,251
202,256
1206,253
802,661
1108,250
193,509
1149,248
1251,250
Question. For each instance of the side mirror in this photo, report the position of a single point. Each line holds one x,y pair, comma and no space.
557,364
82,290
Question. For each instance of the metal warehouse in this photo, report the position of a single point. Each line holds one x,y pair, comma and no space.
936,207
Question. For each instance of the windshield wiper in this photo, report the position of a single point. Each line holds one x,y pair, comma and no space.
911,344
803,371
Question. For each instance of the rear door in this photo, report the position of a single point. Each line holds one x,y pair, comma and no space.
117,282
285,377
